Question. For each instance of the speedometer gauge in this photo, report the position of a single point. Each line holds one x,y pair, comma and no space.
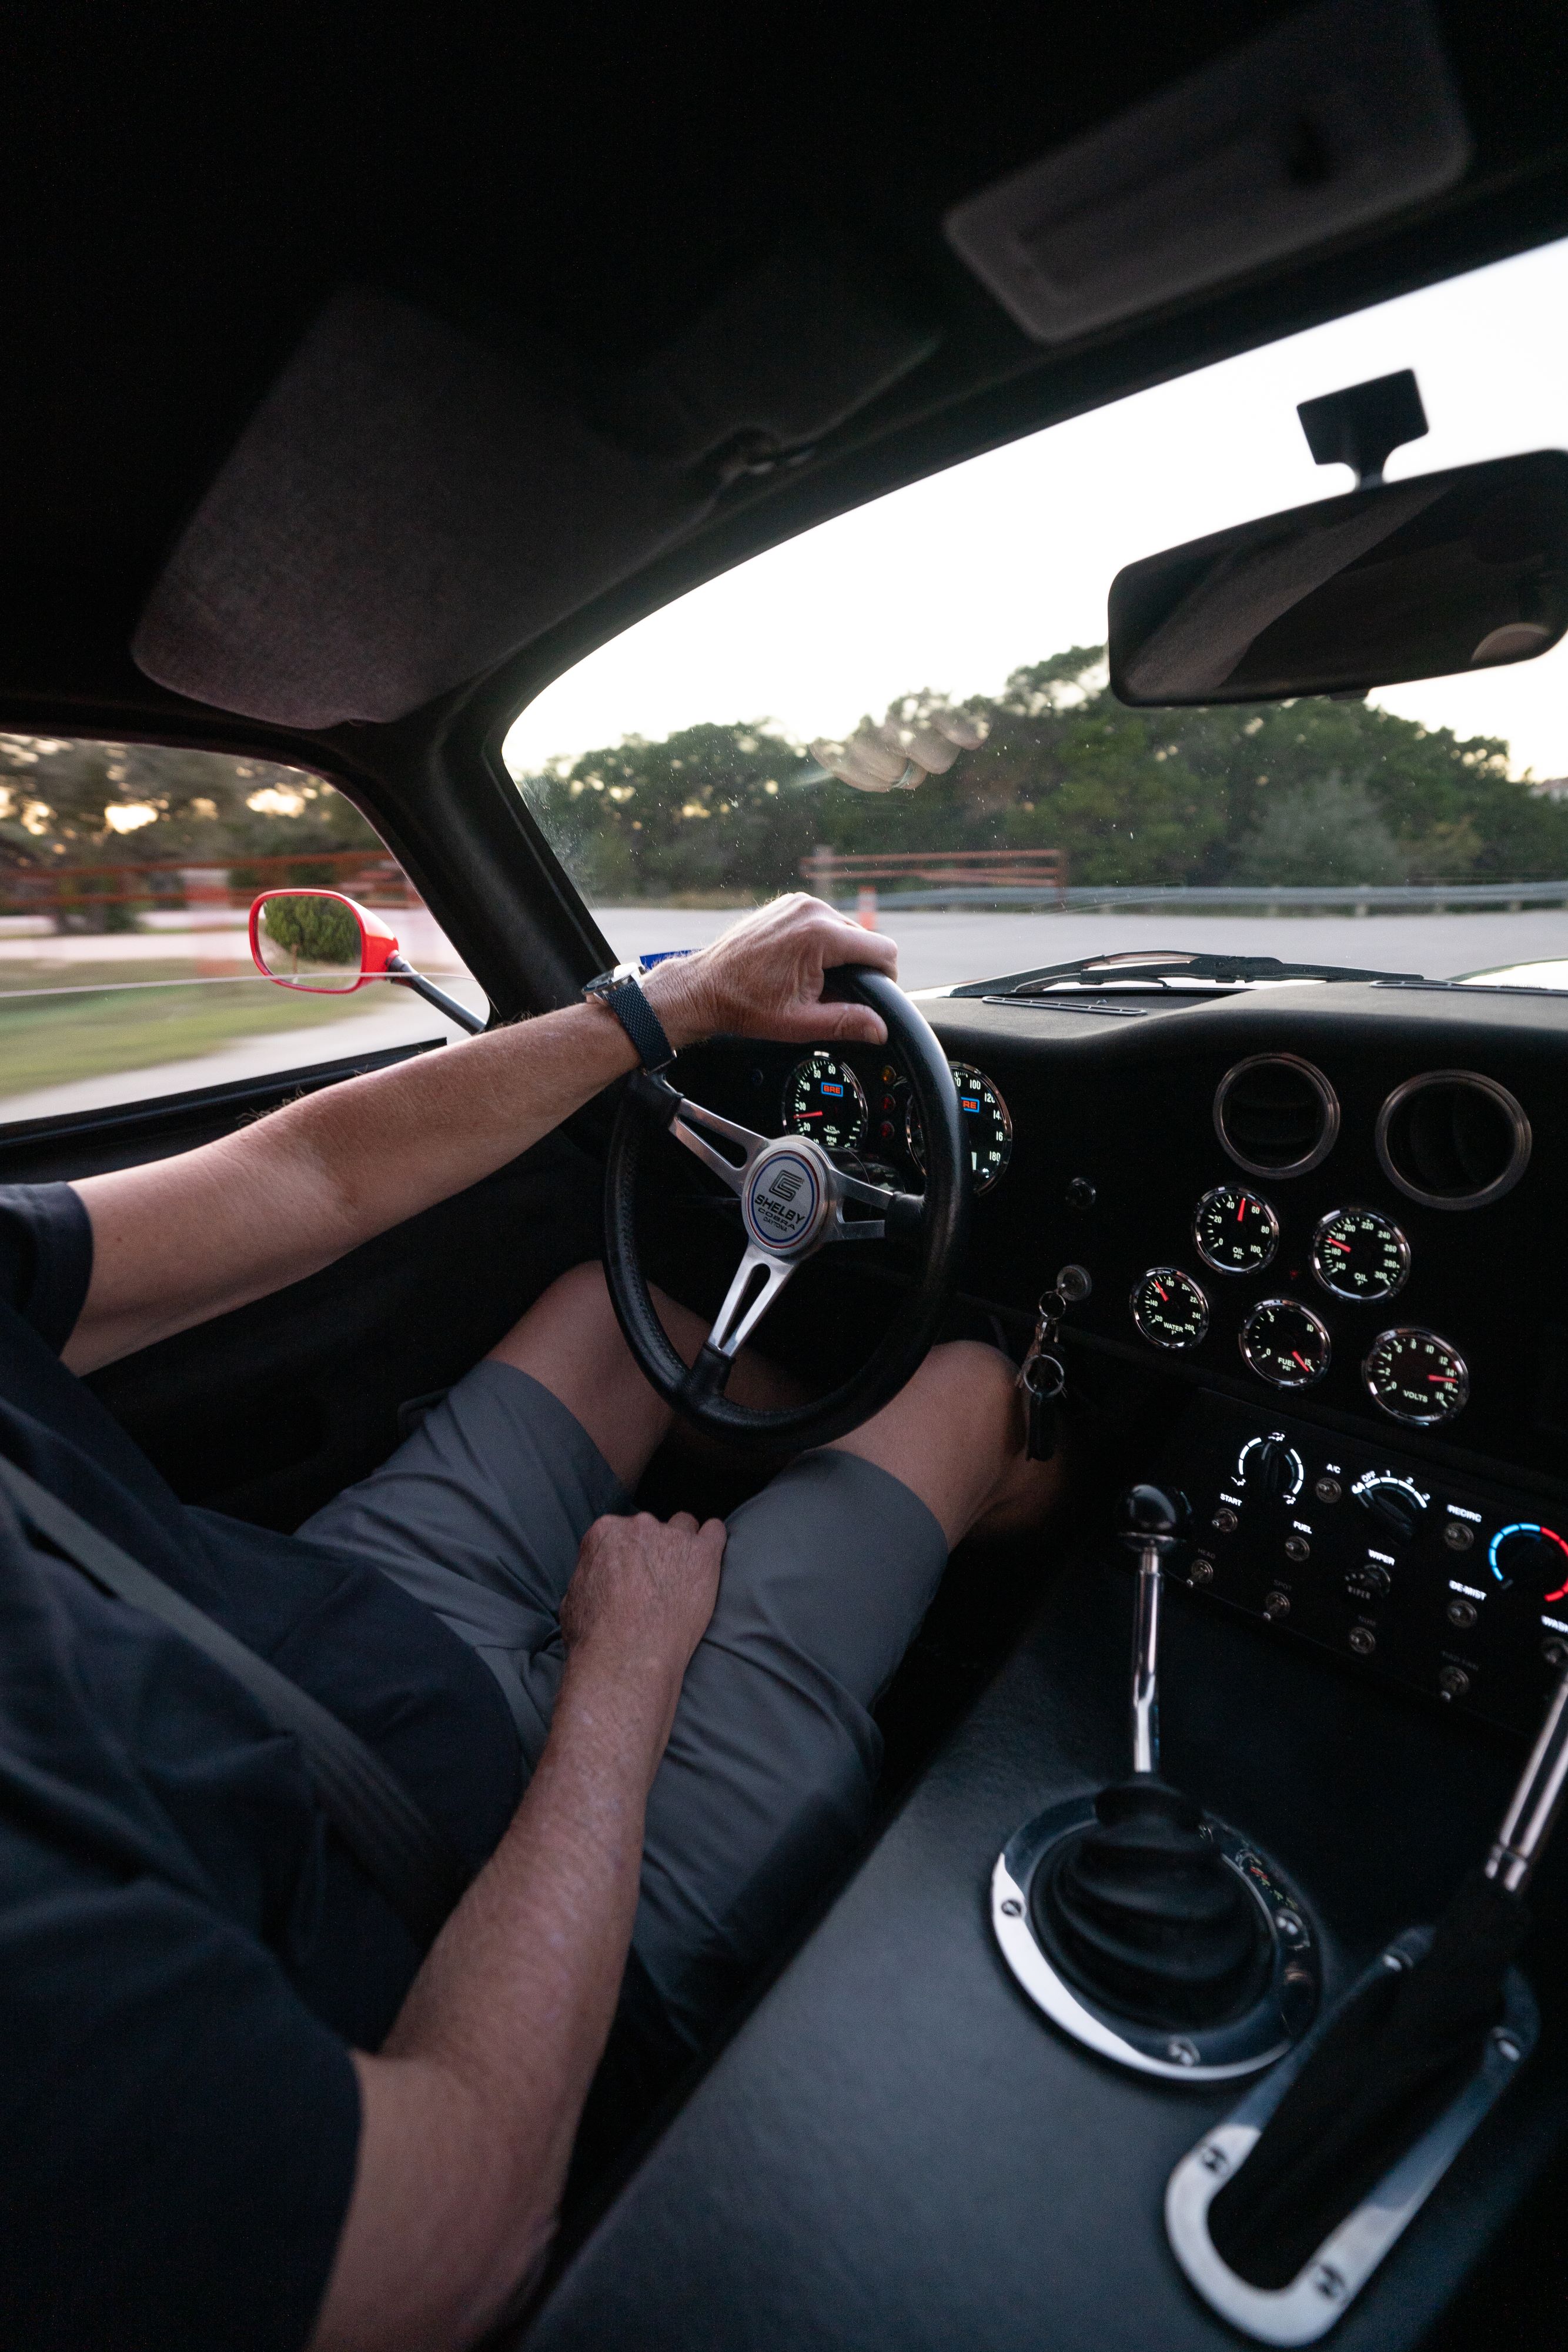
1236,1230
985,1120
1168,1309
1415,1376
1357,1254
1283,1342
823,1099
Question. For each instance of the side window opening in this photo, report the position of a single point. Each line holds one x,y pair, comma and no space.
126,874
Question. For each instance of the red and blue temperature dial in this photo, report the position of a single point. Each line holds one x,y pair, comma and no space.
1526,1549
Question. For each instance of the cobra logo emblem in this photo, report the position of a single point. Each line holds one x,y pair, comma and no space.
783,1202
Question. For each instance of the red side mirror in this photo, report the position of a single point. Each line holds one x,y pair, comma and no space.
319,941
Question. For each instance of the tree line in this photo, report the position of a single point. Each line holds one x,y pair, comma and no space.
1306,792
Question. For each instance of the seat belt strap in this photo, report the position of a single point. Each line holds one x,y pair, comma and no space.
388,1834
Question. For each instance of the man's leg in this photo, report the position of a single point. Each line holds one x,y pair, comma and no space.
767,1786
480,1514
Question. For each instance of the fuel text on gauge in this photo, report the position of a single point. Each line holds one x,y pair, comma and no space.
1169,1310
1283,1342
1417,1377
1236,1230
823,1099
1357,1254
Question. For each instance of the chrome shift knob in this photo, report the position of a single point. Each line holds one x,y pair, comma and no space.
1150,1520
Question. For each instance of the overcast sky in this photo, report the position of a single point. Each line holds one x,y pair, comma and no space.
956,581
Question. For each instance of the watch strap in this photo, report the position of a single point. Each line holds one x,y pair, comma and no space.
636,1016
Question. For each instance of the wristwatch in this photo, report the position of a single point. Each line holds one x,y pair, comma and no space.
636,1016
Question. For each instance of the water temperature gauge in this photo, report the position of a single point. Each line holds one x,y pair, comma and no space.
1168,1308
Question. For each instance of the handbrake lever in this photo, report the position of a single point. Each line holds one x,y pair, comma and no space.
1283,2212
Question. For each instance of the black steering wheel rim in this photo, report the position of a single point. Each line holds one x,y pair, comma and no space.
644,1106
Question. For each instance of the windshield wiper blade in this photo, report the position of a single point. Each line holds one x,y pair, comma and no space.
1157,968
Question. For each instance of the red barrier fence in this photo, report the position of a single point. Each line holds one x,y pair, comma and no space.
66,890
827,872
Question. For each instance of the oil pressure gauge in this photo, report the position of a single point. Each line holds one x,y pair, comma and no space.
1236,1230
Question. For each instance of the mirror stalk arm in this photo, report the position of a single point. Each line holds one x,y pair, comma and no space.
399,968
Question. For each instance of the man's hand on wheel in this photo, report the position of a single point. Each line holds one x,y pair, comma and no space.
763,978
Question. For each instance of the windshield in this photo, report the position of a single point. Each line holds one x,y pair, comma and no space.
906,709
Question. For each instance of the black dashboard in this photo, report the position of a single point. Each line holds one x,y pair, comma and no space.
1324,1221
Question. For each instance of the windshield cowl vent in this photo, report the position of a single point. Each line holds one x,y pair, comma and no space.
1276,1115
1453,1139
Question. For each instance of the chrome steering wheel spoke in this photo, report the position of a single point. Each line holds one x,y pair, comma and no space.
686,1122
900,1211
759,1279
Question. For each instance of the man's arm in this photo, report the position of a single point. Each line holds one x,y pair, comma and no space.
467,2113
179,1240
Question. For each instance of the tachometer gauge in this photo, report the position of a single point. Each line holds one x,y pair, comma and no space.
1168,1309
988,1128
1357,1254
823,1099
1283,1342
1235,1231
1415,1376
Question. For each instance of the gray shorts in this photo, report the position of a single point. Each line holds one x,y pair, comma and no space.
766,1783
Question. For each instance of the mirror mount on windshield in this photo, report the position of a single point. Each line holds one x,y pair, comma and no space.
1363,426
327,945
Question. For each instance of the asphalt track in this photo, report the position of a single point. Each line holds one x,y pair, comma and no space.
934,949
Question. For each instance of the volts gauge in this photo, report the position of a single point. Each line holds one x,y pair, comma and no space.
1235,1231
1283,1342
1357,1254
1169,1310
1417,1377
823,1099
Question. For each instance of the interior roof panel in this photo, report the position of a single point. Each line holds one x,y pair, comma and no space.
190,184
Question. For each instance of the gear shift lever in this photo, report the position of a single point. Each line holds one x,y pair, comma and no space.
1151,1527
1156,1936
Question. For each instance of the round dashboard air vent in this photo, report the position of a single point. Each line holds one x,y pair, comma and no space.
1276,1115
1453,1139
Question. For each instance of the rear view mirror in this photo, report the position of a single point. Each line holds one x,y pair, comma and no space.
1450,571
319,941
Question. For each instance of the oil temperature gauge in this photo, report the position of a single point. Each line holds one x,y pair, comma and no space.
1283,1342
1168,1308
1235,1231
1357,1254
1413,1376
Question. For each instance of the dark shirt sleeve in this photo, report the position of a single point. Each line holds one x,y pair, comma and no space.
180,2131
45,1257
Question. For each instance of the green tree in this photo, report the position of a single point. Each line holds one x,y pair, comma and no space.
321,930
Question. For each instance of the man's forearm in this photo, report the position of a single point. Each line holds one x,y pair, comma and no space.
179,1240
468,2113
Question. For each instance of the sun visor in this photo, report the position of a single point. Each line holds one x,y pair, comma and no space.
1343,115
405,507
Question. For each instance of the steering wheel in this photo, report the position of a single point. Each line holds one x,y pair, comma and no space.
792,1203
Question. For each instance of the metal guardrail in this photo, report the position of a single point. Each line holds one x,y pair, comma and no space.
1360,899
